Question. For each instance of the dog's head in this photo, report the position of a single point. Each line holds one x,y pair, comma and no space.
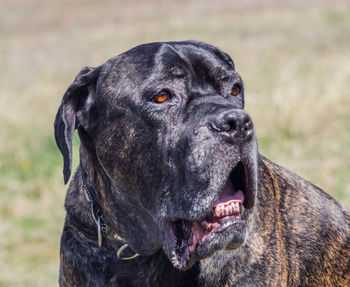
166,125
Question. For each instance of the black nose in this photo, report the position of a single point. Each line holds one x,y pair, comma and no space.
234,125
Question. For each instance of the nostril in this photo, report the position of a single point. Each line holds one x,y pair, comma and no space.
248,124
229,125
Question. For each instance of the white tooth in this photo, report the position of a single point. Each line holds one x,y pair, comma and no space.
230,210
216,211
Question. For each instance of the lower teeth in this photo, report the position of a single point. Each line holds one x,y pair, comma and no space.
228,209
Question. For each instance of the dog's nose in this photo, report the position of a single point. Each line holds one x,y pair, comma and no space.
234,125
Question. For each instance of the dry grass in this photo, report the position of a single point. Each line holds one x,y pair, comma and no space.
294,57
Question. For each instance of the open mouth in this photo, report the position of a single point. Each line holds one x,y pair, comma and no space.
226,218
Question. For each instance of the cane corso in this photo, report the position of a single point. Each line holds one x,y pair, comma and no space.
171,189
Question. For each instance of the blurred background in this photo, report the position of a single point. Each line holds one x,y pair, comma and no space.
294,57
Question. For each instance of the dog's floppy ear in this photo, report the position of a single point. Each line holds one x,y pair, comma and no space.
65,122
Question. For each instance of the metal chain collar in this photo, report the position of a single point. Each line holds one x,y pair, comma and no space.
98,216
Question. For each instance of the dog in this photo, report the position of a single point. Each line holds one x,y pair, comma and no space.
171,189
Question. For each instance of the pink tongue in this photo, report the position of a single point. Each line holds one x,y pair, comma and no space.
229,193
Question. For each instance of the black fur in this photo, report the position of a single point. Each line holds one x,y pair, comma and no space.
152,164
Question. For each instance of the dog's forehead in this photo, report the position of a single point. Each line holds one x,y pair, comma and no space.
137,64
192,54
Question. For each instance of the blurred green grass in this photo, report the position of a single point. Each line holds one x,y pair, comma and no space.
294,57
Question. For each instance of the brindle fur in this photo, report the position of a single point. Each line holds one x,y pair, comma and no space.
301,238
298,235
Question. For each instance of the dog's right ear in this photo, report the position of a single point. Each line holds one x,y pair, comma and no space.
65,122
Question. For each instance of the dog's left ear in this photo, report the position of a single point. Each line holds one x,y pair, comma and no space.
66,117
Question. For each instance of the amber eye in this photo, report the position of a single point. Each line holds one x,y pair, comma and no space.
235,90
161,97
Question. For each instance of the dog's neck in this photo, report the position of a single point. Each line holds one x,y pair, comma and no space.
99,181
95,188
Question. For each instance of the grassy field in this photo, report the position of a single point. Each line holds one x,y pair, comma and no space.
294,58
